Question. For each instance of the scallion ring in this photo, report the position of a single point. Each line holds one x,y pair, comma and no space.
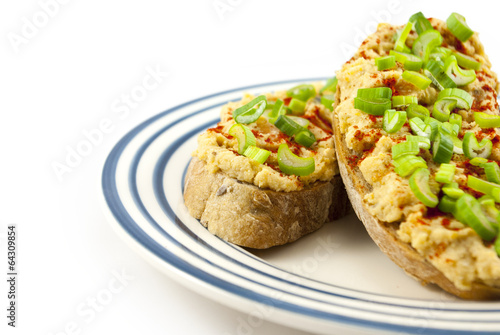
393,120
251,111
442,148
425,43
417,79
459,76
257,154
474,149
405,148
458,27
419,184
406,164
244,136
385,63
445,173
492,172
290,163
464,99
443,108
484,120
375,106
302,92
403,100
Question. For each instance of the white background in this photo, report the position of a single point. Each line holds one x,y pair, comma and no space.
72,71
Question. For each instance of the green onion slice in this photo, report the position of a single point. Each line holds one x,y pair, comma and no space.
420,23
435,72
251,111
409,61
401,41
434,125
385,63
278,109
489,210
257,154
464,99
297,106
375,106
445,173
440,54
327,100
406,164
484,120
468,211
474,149
374,93
287,125
417,79
442,148
290,163
448,128
467,61
459,76
305,138
478,161
452,190
481,185
419,184
423,142
416,110
425,43
447,204
458,27
330,85
456,119
299,120
420,128
405,148
393,120
302,92
403,100
442,109
244,136
492,172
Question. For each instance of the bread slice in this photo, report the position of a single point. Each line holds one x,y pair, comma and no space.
351,148
247,215
257,205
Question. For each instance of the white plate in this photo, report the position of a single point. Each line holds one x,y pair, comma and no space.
332,281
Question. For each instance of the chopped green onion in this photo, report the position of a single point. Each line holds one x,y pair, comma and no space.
401,41
419,184
393,120
327,100
405,148
452,190
474,149
330,85
434,124
467,61
445,173
423,142
299,120
492,172
244,136
464,99
495,193
459,76
442,109
420,23
440,54
403,100
305,138
482,186
409,61
385,63
420,128
374,93
456,119
484,120
257,154
287,125
435,72
458,27
468,211
302,92
406,164
375,106
426,42
417,79
489,210
442,148
290,163
297,106
478,161
249,112
447,204
416,110
278,109
448,128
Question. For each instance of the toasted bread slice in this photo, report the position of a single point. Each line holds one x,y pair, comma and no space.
430,246
256,205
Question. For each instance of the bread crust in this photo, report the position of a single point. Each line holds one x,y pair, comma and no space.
253,217
384,234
